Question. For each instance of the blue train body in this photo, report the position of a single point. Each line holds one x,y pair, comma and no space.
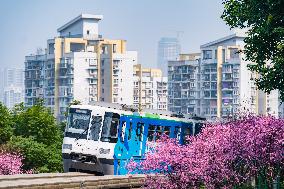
135,131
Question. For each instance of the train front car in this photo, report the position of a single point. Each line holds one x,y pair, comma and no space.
90,138
78,149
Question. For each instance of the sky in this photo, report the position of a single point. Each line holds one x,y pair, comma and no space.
25,25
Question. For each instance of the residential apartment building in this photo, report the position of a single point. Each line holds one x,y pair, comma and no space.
168,49
218,84
11,86
13,95
184,84
34,78
227,85
80,65
150,88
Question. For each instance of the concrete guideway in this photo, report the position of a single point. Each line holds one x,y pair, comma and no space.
69,180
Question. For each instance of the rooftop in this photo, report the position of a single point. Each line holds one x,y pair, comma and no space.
80,17
237,34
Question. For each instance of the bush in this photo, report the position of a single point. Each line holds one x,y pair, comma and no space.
38,156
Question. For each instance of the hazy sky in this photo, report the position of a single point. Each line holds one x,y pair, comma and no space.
25,25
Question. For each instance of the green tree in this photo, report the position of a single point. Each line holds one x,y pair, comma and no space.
38,156
6,123
38,137
37,122
265,41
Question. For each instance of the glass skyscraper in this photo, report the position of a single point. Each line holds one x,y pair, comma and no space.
168,49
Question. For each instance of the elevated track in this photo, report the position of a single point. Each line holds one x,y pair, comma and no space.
69,181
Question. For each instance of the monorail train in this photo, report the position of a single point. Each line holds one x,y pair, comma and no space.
102,137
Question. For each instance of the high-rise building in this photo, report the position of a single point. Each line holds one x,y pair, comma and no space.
184,84
81,65
227,84
150,88
11,86
34,78
219,84
168,49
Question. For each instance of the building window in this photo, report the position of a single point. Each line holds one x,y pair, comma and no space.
234,53
207,54
114,48
104,49
93,81
51,48
93,62
103,90
88,32
103,81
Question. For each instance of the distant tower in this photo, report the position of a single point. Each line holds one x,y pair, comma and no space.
168,49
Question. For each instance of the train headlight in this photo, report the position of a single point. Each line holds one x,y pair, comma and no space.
67,146
104,151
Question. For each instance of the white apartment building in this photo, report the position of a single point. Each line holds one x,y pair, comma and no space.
13,95
184,84
81,65
150,88
227,84
11,86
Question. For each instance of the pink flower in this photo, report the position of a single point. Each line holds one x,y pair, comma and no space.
11,163
222,156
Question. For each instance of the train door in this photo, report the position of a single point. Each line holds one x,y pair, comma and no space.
135,141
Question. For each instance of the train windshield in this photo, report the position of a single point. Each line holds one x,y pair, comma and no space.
78,123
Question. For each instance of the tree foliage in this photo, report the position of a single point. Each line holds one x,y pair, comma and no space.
224,155
6,123
37,122
34,133
265,41
38,156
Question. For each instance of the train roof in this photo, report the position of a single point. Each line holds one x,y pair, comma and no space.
144,113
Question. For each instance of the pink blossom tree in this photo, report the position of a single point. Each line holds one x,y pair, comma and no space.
224,155
10,163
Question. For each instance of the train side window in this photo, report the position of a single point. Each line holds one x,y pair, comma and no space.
197,128
177,132
187,132
95,129
122,132
167,130
110,125
151,132
129,130
155,132
159,131
139,130
113,129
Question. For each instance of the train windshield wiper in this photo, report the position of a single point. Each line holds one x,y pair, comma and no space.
80,135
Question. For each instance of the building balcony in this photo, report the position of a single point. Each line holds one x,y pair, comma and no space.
63,65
